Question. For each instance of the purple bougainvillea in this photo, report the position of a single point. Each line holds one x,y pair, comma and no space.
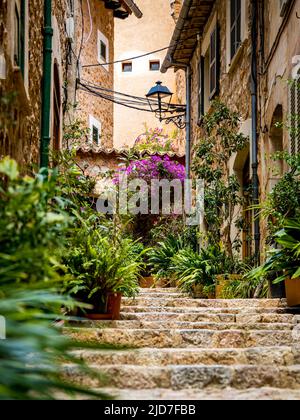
154,167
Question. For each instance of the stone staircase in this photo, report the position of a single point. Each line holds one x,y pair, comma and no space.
187,349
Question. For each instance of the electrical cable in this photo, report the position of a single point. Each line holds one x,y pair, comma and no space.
138,98
91,22
138,56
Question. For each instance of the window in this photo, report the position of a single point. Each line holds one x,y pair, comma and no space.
103,49
155,65
201,96
127,67
295,115
95,131
235,26
208,68
214,63
19,35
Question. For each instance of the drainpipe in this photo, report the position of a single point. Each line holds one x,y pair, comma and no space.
188,123
46,85
254,148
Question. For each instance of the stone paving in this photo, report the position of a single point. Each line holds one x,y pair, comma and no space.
186,349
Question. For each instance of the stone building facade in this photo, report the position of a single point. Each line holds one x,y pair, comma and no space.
96,113
136,77
21,55
221,30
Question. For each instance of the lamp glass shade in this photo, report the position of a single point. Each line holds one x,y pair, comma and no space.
159,91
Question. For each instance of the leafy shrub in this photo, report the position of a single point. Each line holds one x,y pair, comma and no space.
284,262
99,264
33,226
160,258
192,269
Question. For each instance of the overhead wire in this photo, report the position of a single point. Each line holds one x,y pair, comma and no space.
138,56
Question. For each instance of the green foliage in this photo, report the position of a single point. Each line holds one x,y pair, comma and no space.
155,141
284,262
166,226
33,222
245,289
284,200
33,227
161,256
222,190
101,264
192,269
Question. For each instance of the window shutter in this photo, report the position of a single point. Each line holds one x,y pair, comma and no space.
295,116
235,26
214,65
201,89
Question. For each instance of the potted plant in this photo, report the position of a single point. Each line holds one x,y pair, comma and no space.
103,270
160,260
283,263
194,272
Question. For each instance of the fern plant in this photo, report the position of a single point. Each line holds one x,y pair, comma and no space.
160,258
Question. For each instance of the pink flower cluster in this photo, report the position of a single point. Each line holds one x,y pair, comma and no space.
155,140
155,167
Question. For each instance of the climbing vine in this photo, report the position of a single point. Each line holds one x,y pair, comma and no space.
223,201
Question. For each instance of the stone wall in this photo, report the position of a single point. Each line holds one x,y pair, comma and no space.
234,82
99,108
21,117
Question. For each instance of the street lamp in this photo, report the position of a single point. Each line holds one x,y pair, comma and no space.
161,108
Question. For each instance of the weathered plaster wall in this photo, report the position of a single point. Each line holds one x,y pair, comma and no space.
135,37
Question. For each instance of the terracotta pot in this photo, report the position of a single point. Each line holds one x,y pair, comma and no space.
222,280
147,282
112,308
197,291
292,289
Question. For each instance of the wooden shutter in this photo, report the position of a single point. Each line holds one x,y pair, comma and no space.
235,26
214,63
201,89
295,116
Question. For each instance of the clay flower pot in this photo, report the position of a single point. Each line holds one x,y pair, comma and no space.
111,308
292,289
222,280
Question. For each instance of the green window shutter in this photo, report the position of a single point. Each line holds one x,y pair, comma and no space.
201,82
214,63
295,116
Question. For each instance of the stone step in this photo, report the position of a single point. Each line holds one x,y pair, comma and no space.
164,290
190,377
208,394
202,310
205,303
180,325
275,356
208,317
138,338
161,295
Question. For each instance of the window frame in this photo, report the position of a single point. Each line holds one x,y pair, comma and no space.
294,114
235,27
104,40
127,63
151,62
93,122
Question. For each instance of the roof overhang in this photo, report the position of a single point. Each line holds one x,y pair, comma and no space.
192,20
134,8
123,8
